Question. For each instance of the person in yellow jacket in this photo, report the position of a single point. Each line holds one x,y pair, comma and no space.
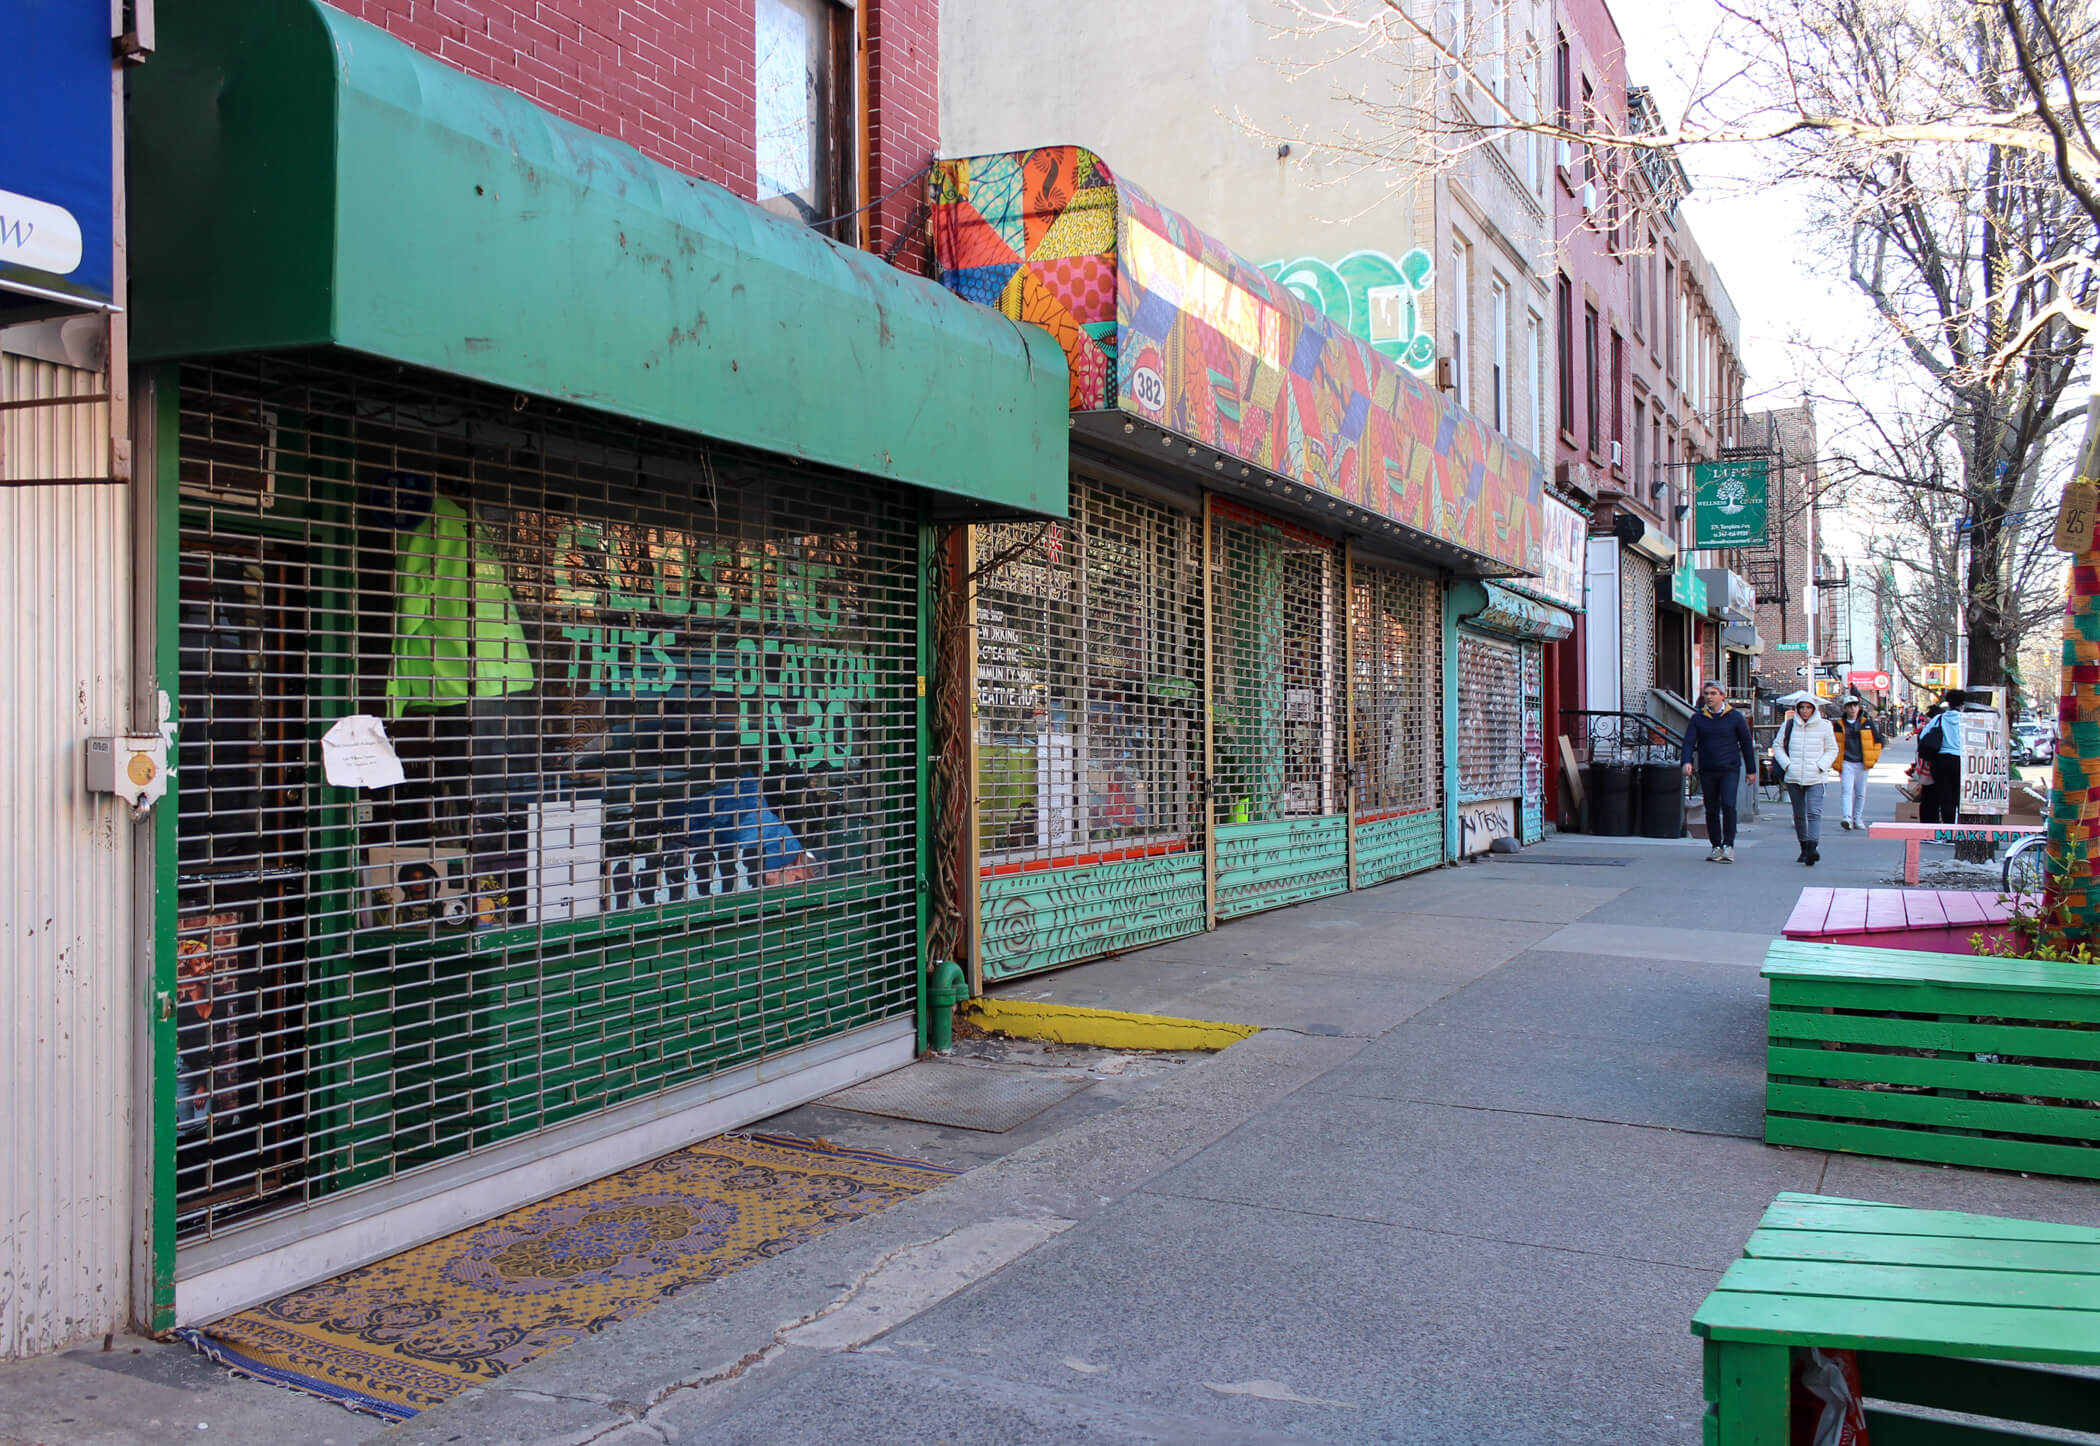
1860,744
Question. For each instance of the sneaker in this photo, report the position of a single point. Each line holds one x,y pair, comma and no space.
1845,823
1728,856
1713,855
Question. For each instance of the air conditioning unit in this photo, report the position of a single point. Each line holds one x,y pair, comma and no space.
1618,454
1589,197
1563,153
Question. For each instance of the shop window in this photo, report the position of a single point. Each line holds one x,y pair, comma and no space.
804,119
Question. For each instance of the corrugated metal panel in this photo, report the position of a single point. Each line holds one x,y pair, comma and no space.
65,1020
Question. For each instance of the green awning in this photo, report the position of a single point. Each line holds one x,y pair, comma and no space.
299,178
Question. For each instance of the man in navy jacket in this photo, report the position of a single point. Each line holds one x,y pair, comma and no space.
1718,745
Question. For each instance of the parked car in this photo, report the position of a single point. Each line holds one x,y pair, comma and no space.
2032,743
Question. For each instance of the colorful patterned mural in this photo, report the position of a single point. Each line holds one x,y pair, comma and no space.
1163,322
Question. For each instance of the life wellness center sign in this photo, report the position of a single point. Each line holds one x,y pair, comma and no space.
55,147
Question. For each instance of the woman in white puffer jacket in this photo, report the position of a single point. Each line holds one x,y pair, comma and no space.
1806,750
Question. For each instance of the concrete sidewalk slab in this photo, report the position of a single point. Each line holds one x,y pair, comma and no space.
1658,1195
730,1332
1651,941
1486,892
1666,1002
1981,1192
1537,1072
1416,1337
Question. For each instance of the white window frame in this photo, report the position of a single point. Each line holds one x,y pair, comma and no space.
1461,335
1498,350
1535,328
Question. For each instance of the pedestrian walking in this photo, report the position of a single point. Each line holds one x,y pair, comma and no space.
1718,746
1805,751
1861,747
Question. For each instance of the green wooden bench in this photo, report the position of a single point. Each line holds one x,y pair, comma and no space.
1939,1306
1948,1058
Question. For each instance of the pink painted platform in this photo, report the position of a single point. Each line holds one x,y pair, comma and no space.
1937,921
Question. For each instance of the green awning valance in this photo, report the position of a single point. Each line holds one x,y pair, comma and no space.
300,178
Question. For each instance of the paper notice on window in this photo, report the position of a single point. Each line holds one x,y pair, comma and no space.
355,754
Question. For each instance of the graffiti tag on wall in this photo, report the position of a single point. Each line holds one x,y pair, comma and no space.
1480,824
1380,299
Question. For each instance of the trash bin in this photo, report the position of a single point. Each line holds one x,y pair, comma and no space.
1611,815
1662,800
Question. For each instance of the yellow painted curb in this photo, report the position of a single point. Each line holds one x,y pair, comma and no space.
1108,1028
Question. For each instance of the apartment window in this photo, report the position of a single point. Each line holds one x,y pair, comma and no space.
1650,272
1669,316
1498,349
1564,343
1655,441
1590,379
1563,96
1589,152
1618,390
1535,344
1534,152
804,110
1639,470
1638,292
1461,285
1498,51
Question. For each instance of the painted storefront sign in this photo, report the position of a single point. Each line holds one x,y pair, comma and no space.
1729,503
1380,298
1164,323
1564,544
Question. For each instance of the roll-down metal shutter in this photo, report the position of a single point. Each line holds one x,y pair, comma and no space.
1395,698
653,704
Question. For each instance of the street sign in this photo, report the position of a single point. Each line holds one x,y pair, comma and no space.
1791,647
1986,773
1803,671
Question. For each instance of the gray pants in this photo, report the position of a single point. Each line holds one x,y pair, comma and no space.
1852,793
1808,810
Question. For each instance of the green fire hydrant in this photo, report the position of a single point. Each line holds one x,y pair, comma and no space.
949,987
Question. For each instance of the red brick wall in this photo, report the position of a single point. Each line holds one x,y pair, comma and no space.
904,122
674,79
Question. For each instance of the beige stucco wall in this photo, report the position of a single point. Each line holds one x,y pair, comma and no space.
1186,99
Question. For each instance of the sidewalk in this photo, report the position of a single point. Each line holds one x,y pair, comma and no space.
1498,1137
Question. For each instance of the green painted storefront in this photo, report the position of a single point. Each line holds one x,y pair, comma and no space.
613,500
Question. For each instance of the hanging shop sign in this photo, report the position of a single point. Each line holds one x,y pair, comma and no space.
1741,638
1688,589
1869,681
1564,545
1728,595
1497,609
1730,503
1163,323
55,165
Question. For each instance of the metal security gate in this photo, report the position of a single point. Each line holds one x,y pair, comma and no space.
1637,631
1395,702
1531,658
1490,740
653,704
1276,610
1089,732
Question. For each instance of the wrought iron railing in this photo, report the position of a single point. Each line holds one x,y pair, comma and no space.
1600,736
